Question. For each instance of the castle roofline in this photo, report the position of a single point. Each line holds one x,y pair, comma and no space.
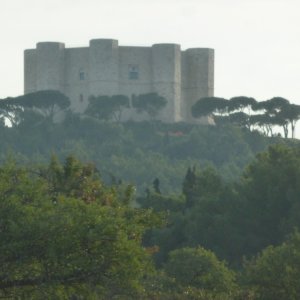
115,42
166,44
202,48
140,47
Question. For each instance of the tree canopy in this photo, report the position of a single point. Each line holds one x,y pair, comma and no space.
251,114
274,274
200,268
107,107
150,103
63,232
208,106
44,103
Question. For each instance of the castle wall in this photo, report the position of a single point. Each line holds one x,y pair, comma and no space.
30,66
104,68
136,60
77,77
135,57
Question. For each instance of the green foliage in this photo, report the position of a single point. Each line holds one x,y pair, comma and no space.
240,118
64,233
271,106
232,219
46,101
290,114
270,188
247,112
150,103
200,268
107,107
135,152
45,104
241,103
162,202
274,274
10,111
208,106
197,186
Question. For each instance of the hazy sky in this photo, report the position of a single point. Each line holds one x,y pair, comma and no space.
256,42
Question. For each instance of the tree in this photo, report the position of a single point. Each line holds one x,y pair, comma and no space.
119,102
274,274
198,185
272,113
46,103
151,104
271,106
10,111
61,241
269,191
209,106
189,185
200,268
156,185
240,118
265,122
107,107
241,104
289,114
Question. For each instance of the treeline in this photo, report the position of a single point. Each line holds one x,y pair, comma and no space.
135,152
65,234
249,113
51,104
242,111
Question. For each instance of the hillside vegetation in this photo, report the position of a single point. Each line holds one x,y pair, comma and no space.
94,209
136,153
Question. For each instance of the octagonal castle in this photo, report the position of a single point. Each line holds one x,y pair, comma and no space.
105,68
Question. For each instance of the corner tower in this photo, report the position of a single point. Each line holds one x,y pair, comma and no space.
198,78
166,78
103,67
44,67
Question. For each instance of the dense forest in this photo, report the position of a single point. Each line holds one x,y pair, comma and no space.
95,209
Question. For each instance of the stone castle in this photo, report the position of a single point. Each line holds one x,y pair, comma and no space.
105,68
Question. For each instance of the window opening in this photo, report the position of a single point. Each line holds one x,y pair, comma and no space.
81,75
133,72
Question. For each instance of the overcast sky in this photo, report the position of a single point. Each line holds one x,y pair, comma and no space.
256,42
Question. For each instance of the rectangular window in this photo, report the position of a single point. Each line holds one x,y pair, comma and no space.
81,75
133,72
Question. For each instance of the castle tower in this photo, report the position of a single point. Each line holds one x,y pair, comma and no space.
103,67
50,66
199,77
166,78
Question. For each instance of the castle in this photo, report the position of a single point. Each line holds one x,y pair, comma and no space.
105,68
